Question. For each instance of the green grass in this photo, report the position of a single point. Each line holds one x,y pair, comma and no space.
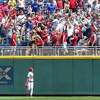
50,98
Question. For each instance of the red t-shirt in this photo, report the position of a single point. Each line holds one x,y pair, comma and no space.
45,36
54,37
39,33
93,27
64,37
13,13
13,40
1,15
74,40
59,40
92,38
73,4
48,24
38,18
79,33
39,42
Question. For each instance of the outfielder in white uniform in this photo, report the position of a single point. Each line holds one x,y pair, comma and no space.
30,81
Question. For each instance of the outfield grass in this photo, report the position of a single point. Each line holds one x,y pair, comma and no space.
50,98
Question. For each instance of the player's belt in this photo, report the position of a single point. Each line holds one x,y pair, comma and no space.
30,81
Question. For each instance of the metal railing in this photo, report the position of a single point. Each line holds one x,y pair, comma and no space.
50,51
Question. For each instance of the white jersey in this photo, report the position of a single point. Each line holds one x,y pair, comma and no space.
30,76
21,3
70,30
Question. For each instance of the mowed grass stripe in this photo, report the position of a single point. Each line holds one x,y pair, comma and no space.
50,98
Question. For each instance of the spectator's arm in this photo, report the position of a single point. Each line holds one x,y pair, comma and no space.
94,40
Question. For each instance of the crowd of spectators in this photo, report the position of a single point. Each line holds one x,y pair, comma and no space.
49,22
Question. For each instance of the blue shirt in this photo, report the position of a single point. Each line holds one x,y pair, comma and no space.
51,7
35,7
29,25
3,1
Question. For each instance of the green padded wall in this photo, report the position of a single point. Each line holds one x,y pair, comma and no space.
96,77
82,76
53,77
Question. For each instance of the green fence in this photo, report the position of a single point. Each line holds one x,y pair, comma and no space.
52,77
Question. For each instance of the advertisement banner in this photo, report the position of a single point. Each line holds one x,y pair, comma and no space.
6,75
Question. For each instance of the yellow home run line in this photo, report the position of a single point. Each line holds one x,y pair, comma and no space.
51,57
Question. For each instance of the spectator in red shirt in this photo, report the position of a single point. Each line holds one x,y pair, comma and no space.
93,27
64,42
1,15
39,41
38,17
45,36
78,31
64,38
42,31
13,13
53,38
74,40
13,39
73,5
92,40
59,38
36,41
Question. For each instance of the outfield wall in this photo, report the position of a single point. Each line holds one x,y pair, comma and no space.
53,76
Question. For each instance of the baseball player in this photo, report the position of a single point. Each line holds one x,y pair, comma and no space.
30,81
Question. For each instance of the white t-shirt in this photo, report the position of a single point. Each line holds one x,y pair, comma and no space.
4,20
21,19
97,6
61,26
70,30
30,76
21,3
90,2
55,3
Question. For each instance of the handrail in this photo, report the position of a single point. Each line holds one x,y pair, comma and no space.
50,51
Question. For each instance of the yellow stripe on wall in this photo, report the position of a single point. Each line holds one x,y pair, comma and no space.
51,57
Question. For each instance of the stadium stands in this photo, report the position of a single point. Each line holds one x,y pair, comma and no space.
49,24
